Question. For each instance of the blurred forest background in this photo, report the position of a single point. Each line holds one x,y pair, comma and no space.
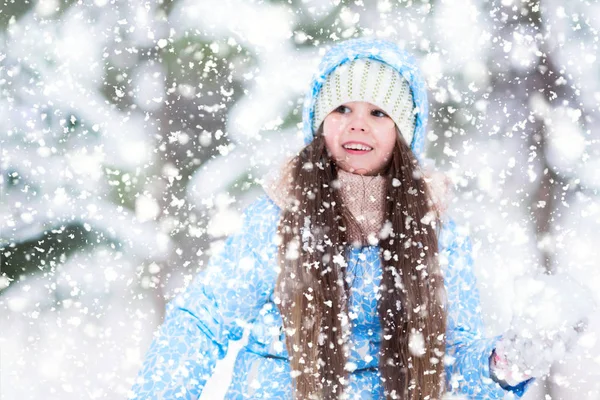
133,133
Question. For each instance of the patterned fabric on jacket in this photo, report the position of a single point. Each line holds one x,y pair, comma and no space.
236,290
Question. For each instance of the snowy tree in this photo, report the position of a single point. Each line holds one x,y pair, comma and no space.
134,132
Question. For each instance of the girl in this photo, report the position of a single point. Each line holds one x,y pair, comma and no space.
350,283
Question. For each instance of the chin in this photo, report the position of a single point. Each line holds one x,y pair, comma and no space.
361,170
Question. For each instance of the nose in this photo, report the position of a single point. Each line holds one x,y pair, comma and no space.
358,123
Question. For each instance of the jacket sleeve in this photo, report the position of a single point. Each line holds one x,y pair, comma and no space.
468,351
200,321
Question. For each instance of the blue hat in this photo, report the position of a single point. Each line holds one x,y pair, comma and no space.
387,53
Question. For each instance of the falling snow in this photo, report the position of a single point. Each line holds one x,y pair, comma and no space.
135,132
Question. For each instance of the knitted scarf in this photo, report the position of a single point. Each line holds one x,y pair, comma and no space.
363,195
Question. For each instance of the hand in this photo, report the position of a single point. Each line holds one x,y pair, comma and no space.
550,311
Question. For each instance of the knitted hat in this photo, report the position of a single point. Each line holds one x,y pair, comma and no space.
365,79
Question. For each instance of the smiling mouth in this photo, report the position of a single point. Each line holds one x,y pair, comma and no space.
356,148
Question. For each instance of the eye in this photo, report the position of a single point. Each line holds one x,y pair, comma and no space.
342,109
378,113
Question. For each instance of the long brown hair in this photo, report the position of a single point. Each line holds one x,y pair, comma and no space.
312,290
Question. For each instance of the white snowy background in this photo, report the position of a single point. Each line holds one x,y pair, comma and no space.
133,133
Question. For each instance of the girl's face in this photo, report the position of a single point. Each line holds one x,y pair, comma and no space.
360,137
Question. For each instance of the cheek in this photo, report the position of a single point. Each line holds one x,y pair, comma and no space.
331,131
329,145
389,145
332,123
387,139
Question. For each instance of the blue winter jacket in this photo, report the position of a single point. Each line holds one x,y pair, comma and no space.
236,291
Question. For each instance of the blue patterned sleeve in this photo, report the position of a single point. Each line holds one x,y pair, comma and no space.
212,310
468,351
